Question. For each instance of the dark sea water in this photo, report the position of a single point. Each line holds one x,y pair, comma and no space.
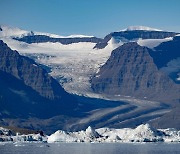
91,148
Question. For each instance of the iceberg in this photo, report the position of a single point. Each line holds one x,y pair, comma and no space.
142,133
7,135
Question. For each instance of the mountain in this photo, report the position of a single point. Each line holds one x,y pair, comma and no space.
133,34
28,71
71,62
130,71
135,71
27,89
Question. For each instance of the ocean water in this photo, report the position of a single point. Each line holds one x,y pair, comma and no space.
90,148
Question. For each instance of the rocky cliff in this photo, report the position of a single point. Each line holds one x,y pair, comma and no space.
30,73
131,71
26,89
43,38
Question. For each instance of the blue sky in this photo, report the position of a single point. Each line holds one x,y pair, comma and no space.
90,17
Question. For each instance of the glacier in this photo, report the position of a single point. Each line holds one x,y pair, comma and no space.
74,64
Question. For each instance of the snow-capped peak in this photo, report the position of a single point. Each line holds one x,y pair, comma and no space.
8,31
133,28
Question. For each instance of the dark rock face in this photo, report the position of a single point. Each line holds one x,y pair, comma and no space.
132,35
164,56
28,71
166,52
131,71
21,101
42,38
0,29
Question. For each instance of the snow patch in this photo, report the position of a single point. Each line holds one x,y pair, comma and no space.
172,66
152,43
144,28
178,79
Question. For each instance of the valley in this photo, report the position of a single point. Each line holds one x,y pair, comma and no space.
76,61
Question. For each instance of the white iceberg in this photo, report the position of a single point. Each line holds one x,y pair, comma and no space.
142,133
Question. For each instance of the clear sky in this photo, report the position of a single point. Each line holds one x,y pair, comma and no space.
89,17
